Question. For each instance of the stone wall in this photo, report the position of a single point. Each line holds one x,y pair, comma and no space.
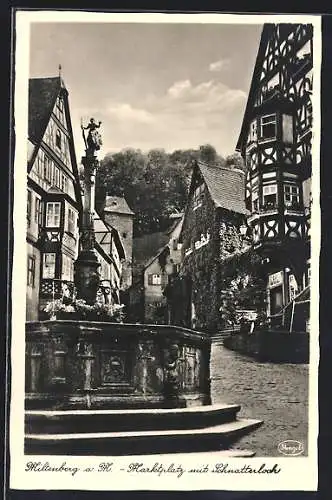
202,264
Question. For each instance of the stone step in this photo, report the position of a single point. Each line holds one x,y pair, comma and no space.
84,421
217,437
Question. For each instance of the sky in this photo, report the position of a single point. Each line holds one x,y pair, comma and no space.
170,86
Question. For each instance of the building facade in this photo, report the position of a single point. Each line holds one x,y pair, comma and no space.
211,232
54,206
275,142
118,215
53,196
111,255
156,258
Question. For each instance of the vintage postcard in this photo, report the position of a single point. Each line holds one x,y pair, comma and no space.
166,251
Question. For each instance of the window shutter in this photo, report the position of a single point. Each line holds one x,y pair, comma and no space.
150,279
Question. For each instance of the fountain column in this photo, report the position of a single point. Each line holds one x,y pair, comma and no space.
86,266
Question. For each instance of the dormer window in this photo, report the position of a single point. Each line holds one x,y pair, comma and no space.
268,127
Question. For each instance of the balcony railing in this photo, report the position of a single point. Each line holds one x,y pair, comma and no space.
56,288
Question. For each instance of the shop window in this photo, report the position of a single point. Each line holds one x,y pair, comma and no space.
276,300
49,265
198,196
31,271
29,207
270,197
292,196
268,127
293,287
53,214
154,279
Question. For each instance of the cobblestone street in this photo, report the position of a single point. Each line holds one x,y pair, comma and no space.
274,393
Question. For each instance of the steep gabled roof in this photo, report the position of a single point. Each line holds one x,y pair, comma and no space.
268,29
225,185
147,246
117,204
43,93
42,96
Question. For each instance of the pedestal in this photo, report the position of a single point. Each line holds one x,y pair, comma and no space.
86,276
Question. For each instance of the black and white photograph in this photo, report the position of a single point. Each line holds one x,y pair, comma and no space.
166,219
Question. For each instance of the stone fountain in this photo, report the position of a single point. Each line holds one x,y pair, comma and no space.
114,388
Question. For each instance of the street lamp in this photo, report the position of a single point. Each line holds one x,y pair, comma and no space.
243,230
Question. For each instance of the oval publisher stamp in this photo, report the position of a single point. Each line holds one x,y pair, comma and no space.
291,447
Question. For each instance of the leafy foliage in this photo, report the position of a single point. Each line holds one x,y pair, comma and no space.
243,287
81,310
154,184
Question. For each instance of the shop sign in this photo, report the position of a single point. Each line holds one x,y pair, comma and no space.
276,279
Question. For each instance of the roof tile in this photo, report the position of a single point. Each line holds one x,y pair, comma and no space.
226,187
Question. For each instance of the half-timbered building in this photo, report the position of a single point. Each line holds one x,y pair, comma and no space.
54,197
54,205
275,142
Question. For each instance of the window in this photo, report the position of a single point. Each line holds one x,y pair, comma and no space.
270,197
308,116
56,177
64,183
29,207
253,131
31,271
67,268
47,168
48,265
291,195
287,129
58,139
268,127
124,235
53,214
37,209
71,221
254,200
154,279
198,196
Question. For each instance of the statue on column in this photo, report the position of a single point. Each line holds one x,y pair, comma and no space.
93,140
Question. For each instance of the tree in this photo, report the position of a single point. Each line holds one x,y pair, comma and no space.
154,184
235,160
